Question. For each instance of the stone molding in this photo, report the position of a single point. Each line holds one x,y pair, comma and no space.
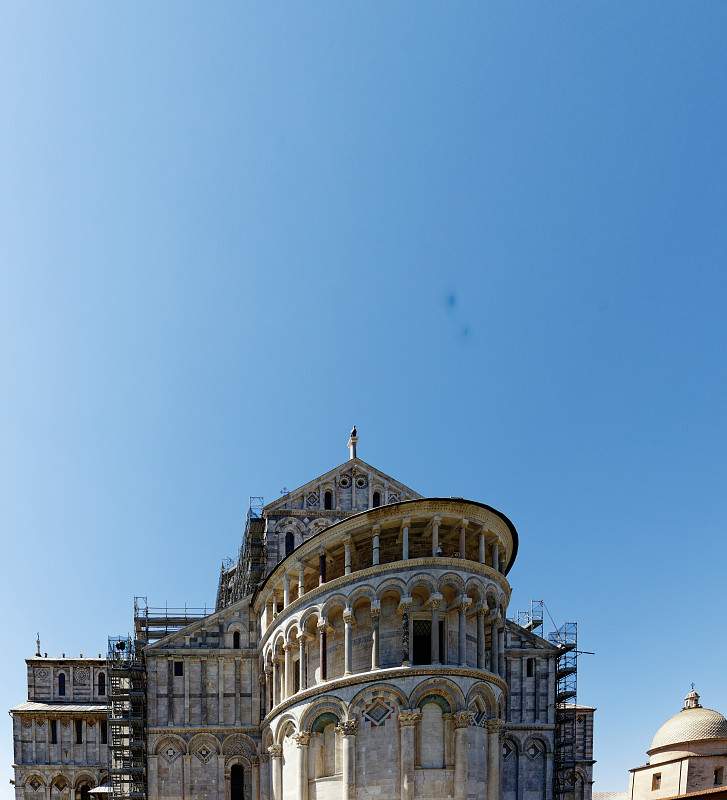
409,717
348,727
463,719
275,750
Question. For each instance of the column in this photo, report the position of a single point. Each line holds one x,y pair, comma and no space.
501,648
496,556
348,622
301,660
375,615
322,645
288,675
348,730
493,759
375,555
405,523
494,646
435,534
269,701
321,567
347,556
255,778
276,680
407,747
482,547
301,580
276,762
220,691
302,740
406,639
462,721
462,632
434,602
481,611
463,538
286,590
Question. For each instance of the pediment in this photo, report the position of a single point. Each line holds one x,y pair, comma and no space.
526,639
354,471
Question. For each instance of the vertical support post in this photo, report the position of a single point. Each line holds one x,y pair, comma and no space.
407,751
435,534
375,615
493,759
286,590
321,567
269,701
405,523
276,760
481,611
276,680
463,538
501,663
494,646
482,546
406,643
434,603
322,652
348,622
496,556
288,680
347,556
255,778
348,766
462,631
301,660
462,721
301,580
302,740
375,555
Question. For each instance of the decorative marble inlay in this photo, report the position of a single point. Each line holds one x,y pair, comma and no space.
204,754
377,713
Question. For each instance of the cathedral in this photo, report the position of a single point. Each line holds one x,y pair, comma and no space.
360,649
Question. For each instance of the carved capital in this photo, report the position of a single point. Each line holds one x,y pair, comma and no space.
303,739
493,725
348,728
409,717
348,617
375,612
463,719
275,750
435,600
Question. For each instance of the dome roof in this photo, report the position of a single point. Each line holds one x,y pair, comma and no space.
693,723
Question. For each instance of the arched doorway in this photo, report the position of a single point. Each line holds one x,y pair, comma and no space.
237,782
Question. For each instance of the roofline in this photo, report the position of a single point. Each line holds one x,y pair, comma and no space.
47,659
402,504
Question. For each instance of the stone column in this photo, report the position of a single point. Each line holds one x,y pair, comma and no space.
496,556
501,649
322,649
482,547
493,759
406,642
321,567
434,602
408,721
255,778
269,701
376,549
286,590
462,632
276,770
276,680
348,622
301,660
481,611
348,730
405,523
347,556
435,534
301,580
303,739
288,675
462,721
375,615
494,646
463,538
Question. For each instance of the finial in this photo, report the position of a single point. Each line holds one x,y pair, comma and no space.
692,699
37,644
352,442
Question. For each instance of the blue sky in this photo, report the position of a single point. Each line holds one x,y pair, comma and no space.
490,234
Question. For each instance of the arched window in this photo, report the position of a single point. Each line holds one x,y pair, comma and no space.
328,500
377,499
236,640
530,668
237,782
101,683
324,754
289,542
432,735
61,685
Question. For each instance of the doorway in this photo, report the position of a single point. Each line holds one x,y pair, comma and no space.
422,641
237,782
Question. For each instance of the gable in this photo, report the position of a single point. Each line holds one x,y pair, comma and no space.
352,486
527,640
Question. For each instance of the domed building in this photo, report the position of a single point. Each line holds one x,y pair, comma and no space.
360,649
688,755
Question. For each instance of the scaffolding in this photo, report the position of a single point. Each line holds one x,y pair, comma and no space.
532,620
127,718
565,638
241,578
152,623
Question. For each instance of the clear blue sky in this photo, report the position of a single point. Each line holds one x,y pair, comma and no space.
490,234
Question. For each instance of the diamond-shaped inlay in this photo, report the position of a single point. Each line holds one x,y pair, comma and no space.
204,754
35,784
378,712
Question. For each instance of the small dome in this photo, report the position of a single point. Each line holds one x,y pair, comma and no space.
692,724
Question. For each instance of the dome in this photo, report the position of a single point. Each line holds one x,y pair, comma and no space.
693,723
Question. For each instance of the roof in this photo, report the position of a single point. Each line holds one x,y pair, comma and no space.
610,795
690,725
52,659
713,793
68,708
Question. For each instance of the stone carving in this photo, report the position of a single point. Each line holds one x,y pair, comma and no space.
409,717
204,754
170,753
463,719
41,674
275,750
81,676
34,783
348,727
378,712
303,738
